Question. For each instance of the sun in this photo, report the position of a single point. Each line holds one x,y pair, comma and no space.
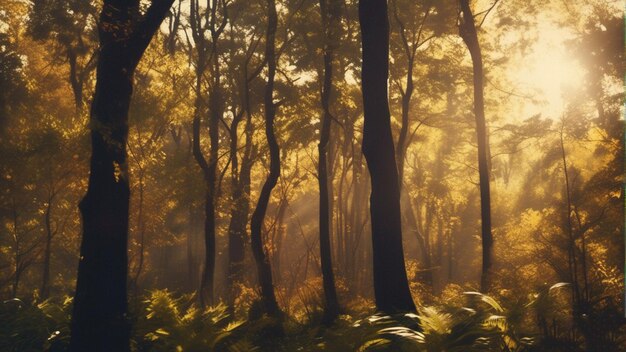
549,72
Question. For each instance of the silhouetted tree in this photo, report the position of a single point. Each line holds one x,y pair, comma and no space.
329,13
264,271
467,31
208,58
391,286
241,175
99,318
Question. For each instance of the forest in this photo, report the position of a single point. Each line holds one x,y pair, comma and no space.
312,175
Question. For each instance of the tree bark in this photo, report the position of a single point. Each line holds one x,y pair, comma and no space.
45,283
99,317
391,287
241,190
264,271
75,82
467,31
205,291
331,307
239,218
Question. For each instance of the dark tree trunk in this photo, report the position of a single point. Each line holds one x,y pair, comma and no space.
239,215
45,283
192,275
209,168
241,190
17,254
404,128
467,31
99,317
331,308
391,287
268,297
75,81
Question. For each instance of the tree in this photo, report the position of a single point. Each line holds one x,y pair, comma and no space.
208,51
264,271
329,12
71,26
412,36
391,287
13,89
100,303
467,31
241,175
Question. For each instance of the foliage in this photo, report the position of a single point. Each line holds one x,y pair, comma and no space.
557,170
35,327
161,323
166,323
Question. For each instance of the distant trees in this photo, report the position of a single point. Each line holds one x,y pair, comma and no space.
71,25
99,317
390,282
412,36
218,74
12,81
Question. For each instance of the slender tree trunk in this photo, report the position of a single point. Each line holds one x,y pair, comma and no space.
241,190
191,262
75,81
45,283
17,257
209,168
572,248
357,208
451,252
391,287
467,31
206,287
264,271
142,232
215,113
331,307
99,317
237,223
404,128
239,216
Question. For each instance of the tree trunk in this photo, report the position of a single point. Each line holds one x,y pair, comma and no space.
209,169
391,287
241,194
404,128
264,271
239,217
17,256
45,283
331,307
467,31
99,317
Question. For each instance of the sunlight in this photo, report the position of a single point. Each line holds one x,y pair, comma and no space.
273,175
550,72
556,74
